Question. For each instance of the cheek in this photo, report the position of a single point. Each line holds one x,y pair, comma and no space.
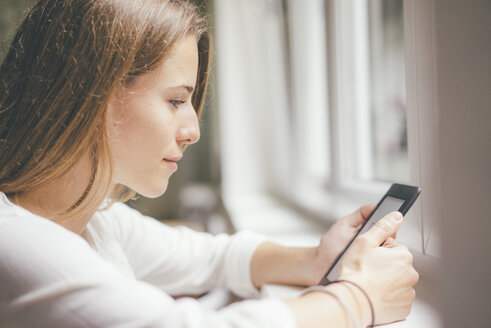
139,132
121,126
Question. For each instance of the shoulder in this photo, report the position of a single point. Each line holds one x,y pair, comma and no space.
47,269
125,225
19,226
117,219
35,251
118,213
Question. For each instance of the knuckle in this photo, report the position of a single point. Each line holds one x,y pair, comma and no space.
414,276
404,253
407,311
411,258
404,248
408,257
412,294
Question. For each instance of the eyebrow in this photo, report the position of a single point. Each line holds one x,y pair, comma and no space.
188,88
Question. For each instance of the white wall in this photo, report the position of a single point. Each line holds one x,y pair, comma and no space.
463,68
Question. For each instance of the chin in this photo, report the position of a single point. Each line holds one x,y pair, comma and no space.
154,192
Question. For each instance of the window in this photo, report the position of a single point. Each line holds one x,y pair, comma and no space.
347,61
387,89
309,102
313,106
368,90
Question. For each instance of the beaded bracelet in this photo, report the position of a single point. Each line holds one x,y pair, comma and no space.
364,293
339,299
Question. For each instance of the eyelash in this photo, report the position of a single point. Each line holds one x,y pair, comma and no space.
176,103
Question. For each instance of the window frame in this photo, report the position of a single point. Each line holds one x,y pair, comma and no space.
341,193
245,173
329,200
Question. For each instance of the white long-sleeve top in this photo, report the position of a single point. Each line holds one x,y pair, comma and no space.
125,274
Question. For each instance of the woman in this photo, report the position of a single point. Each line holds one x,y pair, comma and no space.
98,100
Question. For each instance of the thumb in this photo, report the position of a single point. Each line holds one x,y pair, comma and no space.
385,228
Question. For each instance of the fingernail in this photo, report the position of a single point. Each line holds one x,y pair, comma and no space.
396,216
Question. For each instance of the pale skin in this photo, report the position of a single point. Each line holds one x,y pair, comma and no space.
151,120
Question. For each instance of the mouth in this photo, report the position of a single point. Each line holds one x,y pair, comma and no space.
172,161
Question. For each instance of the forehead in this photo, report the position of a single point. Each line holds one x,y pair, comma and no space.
180,67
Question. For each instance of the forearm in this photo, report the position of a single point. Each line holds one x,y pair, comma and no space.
275,264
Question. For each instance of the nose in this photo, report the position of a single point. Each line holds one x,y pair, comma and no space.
188,133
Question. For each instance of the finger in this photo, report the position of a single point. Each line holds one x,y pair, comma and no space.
384,228
366,210
358,217
389,243
390,240
354,219
401,247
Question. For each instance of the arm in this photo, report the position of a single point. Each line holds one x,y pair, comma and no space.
391,264
180,261
304,266
276,264
52,278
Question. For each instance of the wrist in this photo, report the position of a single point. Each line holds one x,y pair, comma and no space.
335,305
356,299
319,266
319,309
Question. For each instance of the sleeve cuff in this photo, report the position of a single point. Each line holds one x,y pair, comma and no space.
238,263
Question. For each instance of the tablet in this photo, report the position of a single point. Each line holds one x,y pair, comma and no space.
399,197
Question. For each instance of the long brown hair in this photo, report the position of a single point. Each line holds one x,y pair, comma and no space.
64,63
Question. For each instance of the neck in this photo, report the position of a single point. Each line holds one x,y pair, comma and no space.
54,200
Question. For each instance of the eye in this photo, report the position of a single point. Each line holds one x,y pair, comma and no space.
176,103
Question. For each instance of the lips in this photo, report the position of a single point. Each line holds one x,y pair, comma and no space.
174,159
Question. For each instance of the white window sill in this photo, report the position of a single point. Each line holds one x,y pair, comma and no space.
270,217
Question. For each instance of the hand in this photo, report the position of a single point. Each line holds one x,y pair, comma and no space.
336,239
384,272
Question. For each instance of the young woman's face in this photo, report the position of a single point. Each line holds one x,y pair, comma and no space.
151,120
